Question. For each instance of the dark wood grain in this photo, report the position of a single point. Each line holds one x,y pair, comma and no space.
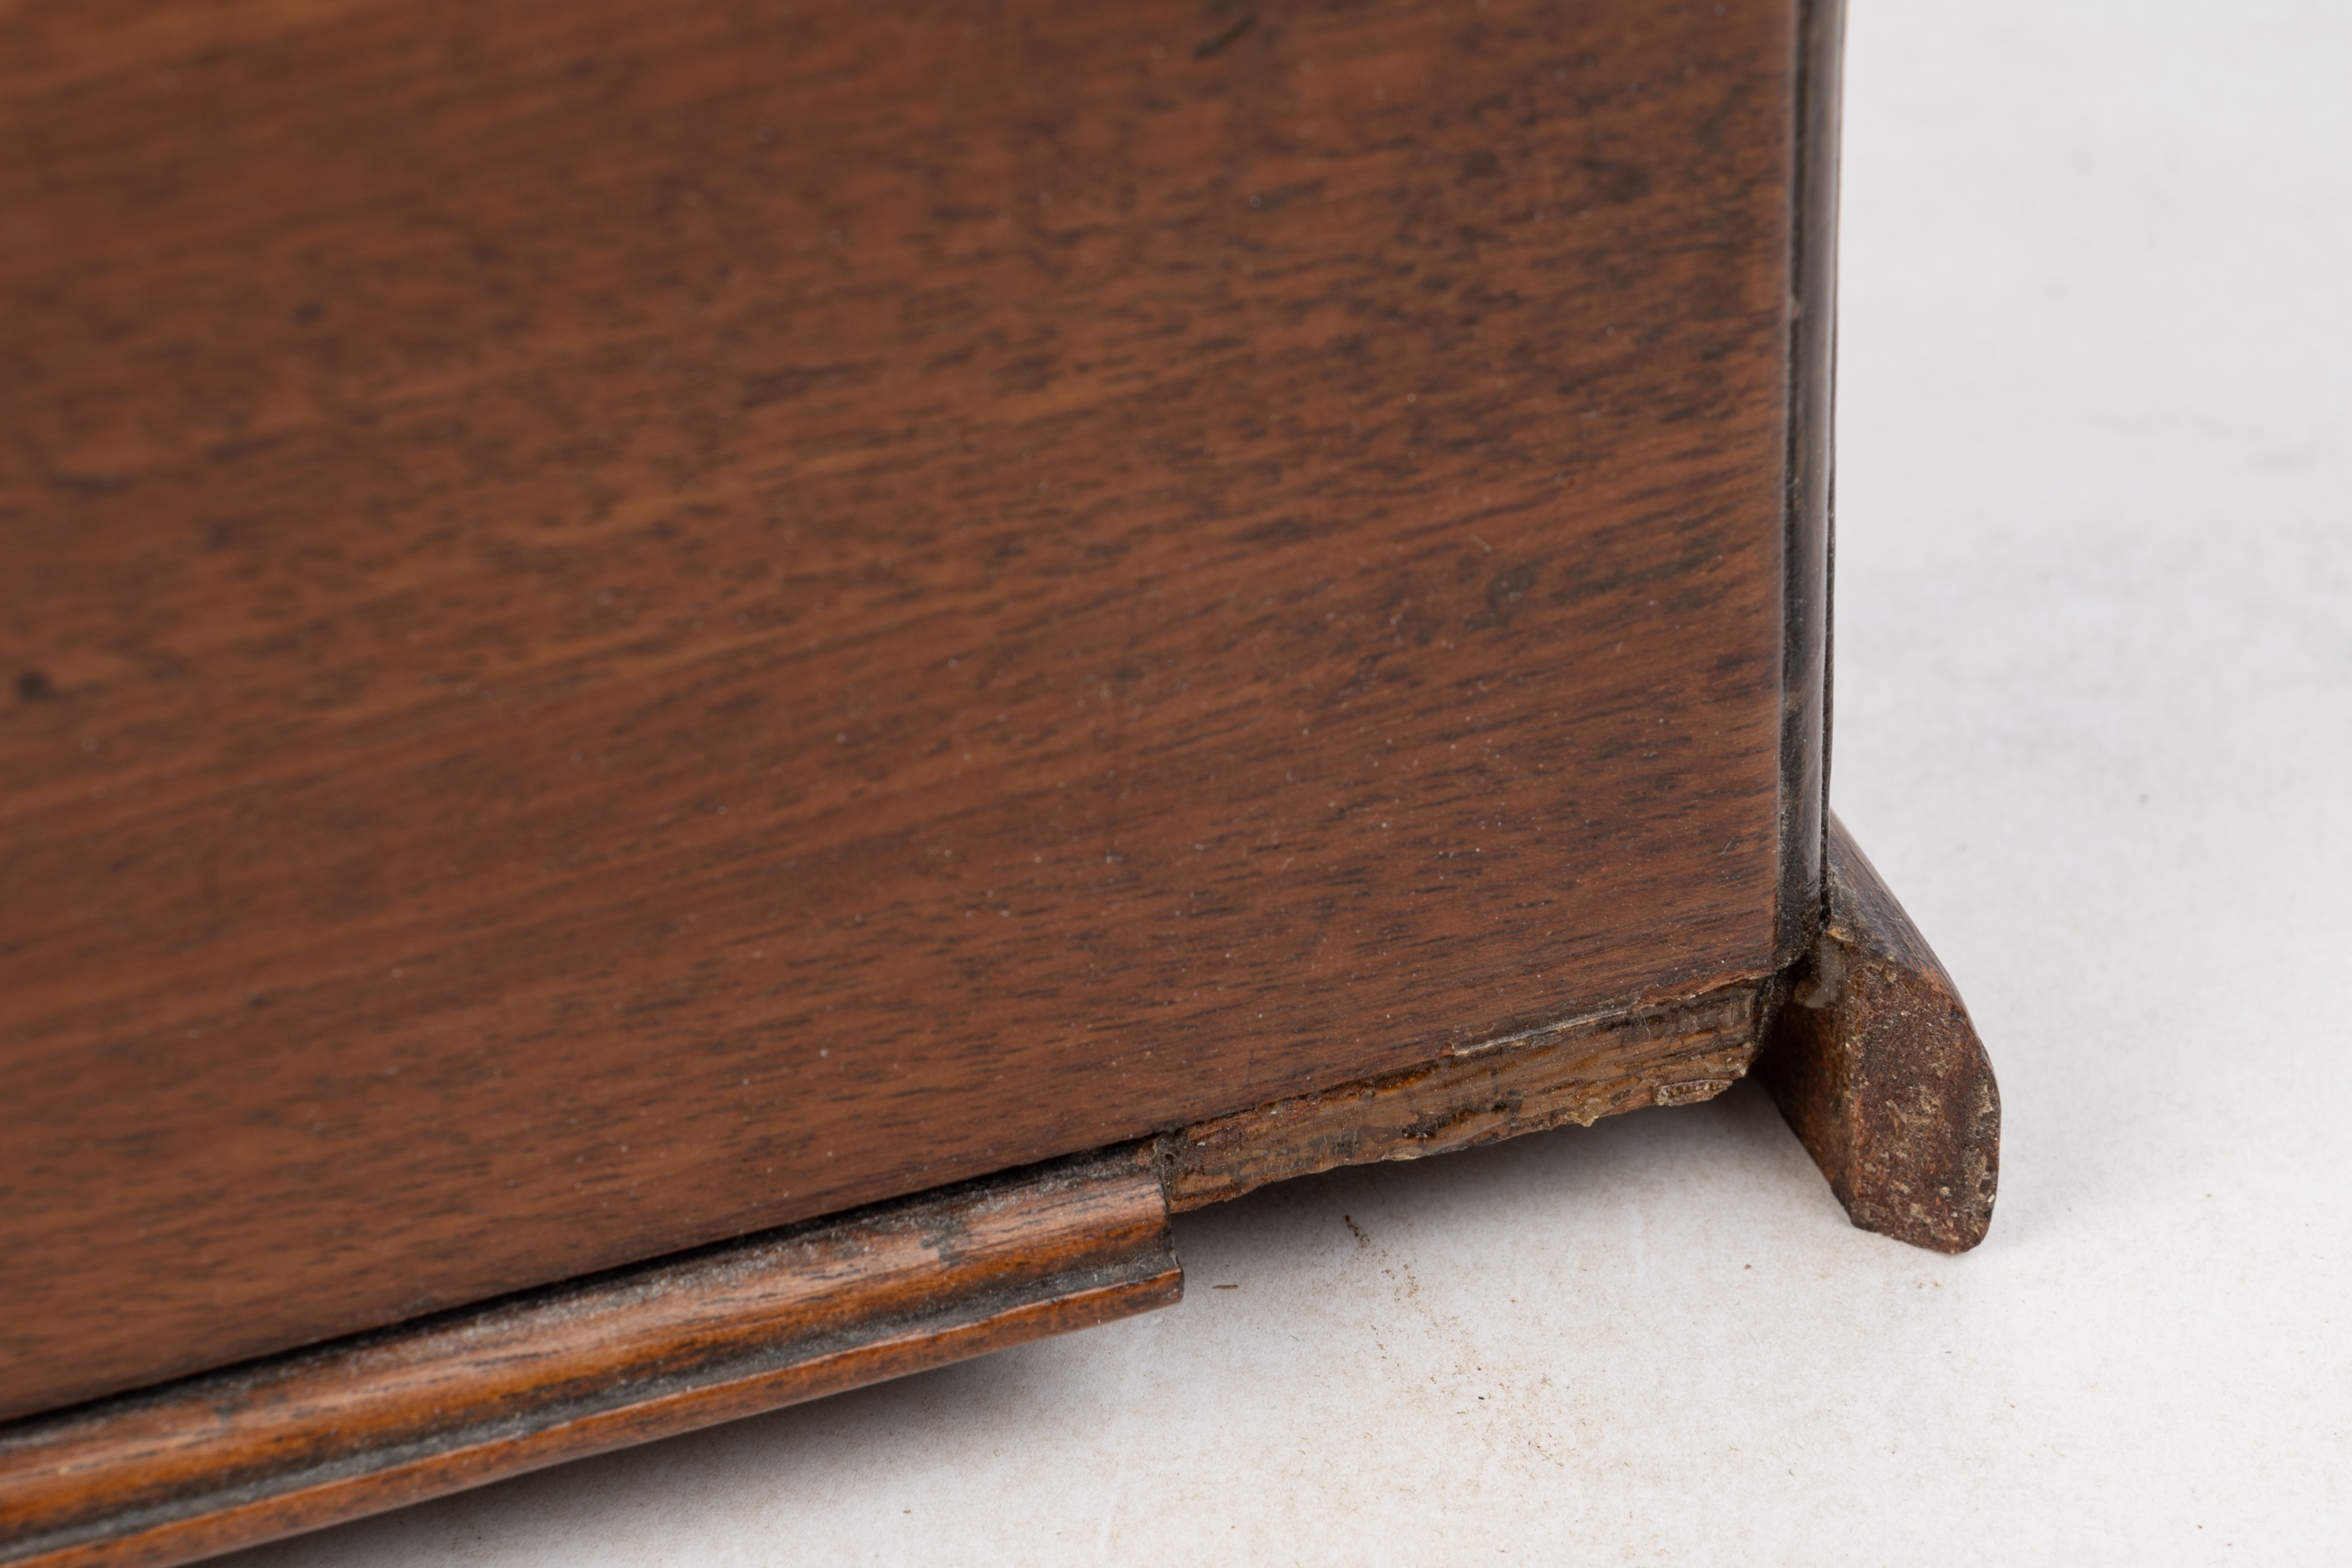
631,624
250,1454
1877,1068
1577,1071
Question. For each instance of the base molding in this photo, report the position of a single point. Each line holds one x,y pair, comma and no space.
292,1443
295,1442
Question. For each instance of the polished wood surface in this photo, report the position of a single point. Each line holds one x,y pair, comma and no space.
630,624
1877,1067
234,1457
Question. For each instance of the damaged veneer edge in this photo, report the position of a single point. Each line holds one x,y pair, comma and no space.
312,1438
1873,1062
1674,1053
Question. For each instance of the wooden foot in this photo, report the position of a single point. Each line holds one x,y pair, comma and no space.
1877,1068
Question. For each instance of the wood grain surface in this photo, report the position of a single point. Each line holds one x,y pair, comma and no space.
234,1457
1877,1068
631,624
1577,1071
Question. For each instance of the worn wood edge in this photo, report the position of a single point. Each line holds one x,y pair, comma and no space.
250,1454
1876,1065
1810,522
1576,1071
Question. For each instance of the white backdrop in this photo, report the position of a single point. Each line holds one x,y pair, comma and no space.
2095,724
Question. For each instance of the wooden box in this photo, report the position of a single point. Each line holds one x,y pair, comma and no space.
704,696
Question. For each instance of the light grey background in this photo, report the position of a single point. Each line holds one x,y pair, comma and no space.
2095,724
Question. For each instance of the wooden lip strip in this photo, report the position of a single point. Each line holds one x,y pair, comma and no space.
1580,1071
248,1454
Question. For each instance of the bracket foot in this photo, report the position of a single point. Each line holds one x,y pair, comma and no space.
1876,1067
